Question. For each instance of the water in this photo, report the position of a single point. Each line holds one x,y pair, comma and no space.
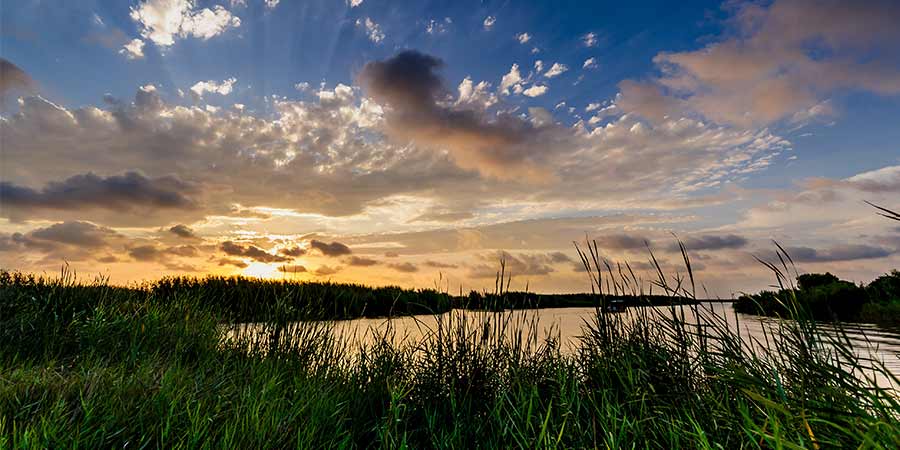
568,326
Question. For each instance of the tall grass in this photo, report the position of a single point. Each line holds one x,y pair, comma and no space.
89,365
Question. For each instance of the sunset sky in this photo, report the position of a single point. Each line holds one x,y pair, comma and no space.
390,142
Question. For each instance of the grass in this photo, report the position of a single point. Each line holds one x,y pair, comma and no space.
90,365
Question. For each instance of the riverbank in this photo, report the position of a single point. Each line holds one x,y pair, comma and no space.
826,297
98,366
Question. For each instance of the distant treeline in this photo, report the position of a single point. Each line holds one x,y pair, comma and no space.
530,300
241,299
826,297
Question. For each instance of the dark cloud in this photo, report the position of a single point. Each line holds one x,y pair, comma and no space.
13,78
150,252
144,253
232,262
408,83
251,251
523,264
439,265
292,269
183,231
332,249
326,270
711,242
75,233
407,267
621,242
293,252
121,193
850,252
360,261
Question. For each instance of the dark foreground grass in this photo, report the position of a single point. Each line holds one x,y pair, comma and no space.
92,366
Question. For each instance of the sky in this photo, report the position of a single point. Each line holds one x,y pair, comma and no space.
418,143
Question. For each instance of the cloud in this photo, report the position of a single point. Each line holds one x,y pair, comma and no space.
590,63
373,30
536,91
332,249
161,21
711,242
511,79
293,252
360,261
183,231
556,69
292,268
222,88
133,49
406,267
439,265
75,233
523,38
438,26
251,251
774,61
13,78
589,39
621,242
475,96
271,4
522,264
323,271
851,252
408,84
131,192
489,22
232,262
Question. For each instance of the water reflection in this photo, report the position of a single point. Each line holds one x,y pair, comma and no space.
872,344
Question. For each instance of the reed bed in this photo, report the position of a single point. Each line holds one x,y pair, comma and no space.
94,366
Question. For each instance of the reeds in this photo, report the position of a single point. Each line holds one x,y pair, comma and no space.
89,365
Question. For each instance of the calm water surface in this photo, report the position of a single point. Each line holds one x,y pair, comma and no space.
568,325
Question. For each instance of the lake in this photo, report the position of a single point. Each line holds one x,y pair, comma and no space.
534,326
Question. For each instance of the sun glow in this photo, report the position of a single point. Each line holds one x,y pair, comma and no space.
261,270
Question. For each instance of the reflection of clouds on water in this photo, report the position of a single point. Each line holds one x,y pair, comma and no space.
566,326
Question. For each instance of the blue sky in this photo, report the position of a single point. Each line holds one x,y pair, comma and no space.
734,109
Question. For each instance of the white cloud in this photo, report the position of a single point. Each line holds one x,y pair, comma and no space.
161,21
354,3
593,106
134,49
786,57
271,4
475,95
489,22
556,69
535,91
511,79
438,26
590,63
538,66
589,39
98,20
523,38
222,88
373,30
302,86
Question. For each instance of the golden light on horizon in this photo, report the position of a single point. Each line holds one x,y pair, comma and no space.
262,270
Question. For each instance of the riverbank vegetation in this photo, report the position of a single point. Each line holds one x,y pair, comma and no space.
826,297
95,366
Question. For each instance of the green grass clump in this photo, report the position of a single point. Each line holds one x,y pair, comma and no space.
93,366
